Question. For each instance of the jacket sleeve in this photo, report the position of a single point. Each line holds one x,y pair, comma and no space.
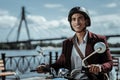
106,59
64,61
61,60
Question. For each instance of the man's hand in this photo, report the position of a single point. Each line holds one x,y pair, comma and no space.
94,68
41,69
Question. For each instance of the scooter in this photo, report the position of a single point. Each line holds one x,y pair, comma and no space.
64,74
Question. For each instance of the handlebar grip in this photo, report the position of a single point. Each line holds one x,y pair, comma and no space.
44,70
33,70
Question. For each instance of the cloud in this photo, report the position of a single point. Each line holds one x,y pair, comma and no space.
106,24
36,19
41,21
111,5
6,20
49,5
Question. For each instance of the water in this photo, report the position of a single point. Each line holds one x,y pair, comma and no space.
29,52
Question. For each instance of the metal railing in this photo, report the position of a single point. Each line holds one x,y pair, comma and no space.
23,64
26,63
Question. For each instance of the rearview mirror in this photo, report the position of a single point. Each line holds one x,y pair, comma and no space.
101,46
39,50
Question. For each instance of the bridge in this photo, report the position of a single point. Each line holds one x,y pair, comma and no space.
30,40
49,39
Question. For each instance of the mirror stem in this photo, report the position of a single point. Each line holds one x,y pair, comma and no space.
83,64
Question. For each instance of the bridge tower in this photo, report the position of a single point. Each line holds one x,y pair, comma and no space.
23,19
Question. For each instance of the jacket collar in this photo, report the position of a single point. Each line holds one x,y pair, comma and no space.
90,35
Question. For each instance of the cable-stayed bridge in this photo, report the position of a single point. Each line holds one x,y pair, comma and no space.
49,35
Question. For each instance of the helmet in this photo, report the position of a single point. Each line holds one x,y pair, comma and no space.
81,10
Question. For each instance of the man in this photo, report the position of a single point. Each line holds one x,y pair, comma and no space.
85,40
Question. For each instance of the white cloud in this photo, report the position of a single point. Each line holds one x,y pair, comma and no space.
7,21
106,24
41,21
111,5
49,5
36,19
64,21
107,18
53,23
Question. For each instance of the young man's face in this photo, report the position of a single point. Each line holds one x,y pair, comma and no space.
78,22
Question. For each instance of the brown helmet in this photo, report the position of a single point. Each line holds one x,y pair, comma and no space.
81,10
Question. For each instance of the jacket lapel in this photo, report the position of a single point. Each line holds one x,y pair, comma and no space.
89,46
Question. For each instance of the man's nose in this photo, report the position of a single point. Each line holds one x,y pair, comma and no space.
77,21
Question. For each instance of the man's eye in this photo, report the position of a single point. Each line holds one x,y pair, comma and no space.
73,19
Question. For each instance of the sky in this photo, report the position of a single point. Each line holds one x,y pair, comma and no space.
48,18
